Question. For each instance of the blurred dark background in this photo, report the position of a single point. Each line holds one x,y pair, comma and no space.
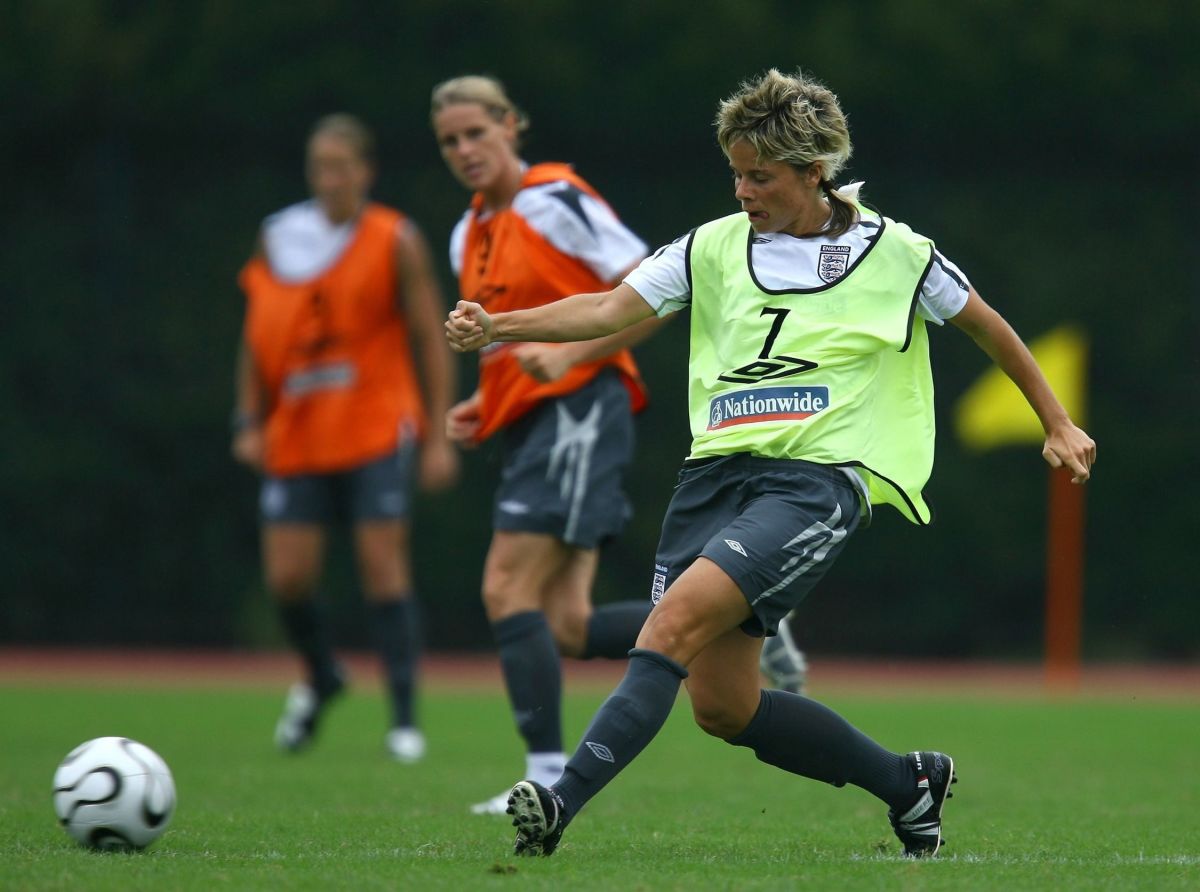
1049,148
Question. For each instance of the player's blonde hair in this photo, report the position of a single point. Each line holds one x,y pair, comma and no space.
481,90
349,128
794,119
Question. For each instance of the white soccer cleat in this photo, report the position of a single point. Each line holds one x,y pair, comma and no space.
406,745
545,768
497,805
296,726
302,711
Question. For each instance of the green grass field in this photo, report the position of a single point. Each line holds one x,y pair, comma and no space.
1087,794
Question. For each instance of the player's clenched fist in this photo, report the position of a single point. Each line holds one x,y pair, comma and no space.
468,327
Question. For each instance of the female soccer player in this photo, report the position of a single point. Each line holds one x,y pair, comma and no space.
811,400
330,408
534,234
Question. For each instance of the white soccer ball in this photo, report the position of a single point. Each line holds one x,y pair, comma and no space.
114,793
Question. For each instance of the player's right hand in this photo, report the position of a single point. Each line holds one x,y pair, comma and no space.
468,327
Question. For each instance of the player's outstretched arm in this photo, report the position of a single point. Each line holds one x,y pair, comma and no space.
1066,443
578,318
549,362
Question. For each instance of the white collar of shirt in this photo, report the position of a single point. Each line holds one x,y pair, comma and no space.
301,242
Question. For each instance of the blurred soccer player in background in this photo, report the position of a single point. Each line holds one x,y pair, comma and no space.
330,406
811,399
534,234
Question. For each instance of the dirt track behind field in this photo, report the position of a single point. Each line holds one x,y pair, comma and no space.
481,672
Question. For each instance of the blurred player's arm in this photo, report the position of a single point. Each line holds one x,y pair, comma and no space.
423,308
1066,444
248,408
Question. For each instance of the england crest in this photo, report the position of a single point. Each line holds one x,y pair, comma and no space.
833,262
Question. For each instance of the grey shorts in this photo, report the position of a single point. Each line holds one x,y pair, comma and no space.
378,490
564,464
774,525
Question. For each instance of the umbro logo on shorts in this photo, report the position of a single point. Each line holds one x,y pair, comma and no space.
736,546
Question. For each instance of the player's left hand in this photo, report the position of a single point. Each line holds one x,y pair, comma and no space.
250,447
439,466
463,421
545,362
1070,447
468,327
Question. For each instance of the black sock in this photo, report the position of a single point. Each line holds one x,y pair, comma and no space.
802,736
613,629
306,632
624,724
533,677
396,628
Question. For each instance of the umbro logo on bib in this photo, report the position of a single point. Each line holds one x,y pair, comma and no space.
833,262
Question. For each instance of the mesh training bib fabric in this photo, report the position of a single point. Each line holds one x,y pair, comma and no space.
837,374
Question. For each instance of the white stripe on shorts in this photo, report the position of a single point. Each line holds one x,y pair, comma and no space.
574,442
817,540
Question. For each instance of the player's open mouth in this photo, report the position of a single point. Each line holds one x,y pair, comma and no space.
756,216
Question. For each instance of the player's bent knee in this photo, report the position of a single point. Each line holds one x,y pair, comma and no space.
674,633
570,632
722,711
502,601
718,721
384,580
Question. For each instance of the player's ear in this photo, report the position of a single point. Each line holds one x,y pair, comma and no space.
509,124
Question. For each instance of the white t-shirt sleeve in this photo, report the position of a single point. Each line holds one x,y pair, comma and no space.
580,226
662,279
944,291
458,243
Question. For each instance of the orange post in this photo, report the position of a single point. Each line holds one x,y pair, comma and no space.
1064,581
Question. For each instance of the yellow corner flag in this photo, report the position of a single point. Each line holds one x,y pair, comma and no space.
993,412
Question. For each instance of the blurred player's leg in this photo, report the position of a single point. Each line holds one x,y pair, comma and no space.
292,557
518,568
396,630
382,547
582,630
561,495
